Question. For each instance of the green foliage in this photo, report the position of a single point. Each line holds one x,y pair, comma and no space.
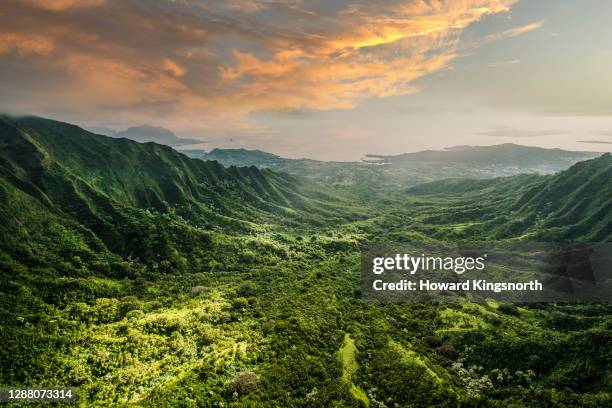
144,277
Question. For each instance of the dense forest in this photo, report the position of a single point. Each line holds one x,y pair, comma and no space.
145,277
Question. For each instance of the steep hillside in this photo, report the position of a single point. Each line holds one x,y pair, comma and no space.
100,182
574,203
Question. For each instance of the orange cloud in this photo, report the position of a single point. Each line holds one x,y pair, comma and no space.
191,58
374,53
172,67
24,44
62,5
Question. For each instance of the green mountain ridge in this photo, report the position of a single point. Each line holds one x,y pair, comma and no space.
95,179
573,204
577,200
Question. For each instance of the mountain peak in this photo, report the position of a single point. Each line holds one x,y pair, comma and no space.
157,134
146,133
149,128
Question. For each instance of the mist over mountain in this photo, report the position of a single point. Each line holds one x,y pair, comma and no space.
145,134
410,169
102,130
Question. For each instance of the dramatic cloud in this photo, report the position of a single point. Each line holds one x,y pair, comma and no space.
182,59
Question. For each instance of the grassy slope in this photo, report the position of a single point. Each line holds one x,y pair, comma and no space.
347,357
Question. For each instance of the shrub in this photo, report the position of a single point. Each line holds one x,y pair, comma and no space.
433,341
135,314
240,303
247,289
509,309
247,258
495,320
243,382
199,289
447,350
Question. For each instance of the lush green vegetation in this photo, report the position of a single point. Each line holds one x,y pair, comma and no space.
145,277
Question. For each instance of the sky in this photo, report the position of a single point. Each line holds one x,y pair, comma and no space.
324,79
